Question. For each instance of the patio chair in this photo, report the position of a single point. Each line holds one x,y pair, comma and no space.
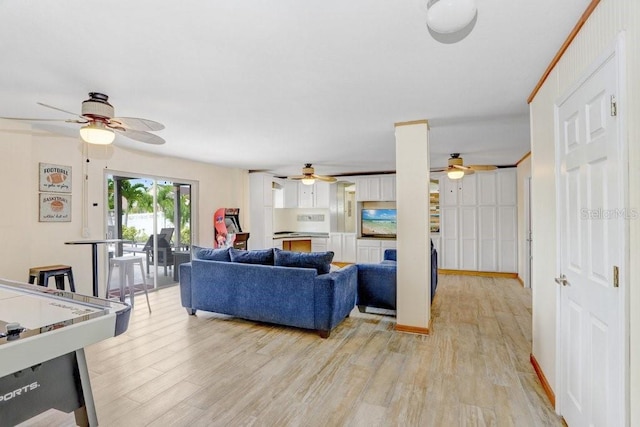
165,253
168,233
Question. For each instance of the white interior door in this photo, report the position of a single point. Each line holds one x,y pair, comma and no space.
591,245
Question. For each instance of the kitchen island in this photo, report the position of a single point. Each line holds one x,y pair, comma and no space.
300,241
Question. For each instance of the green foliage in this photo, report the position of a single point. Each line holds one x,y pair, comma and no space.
129,233
185,236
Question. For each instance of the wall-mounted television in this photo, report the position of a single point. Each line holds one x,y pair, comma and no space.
379,223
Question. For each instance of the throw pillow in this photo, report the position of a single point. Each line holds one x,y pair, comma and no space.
321,261
210,254
258,256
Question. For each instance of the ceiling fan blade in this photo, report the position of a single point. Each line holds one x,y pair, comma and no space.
464,168
43,120
438,170
297,177
59,109
483,167
142,136
325,178
469,171
135,123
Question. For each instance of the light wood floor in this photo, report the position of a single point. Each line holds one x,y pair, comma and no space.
211,370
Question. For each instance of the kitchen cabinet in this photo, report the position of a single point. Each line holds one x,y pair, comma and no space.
261,210
343,246
319,244
372,250
380,188
299,195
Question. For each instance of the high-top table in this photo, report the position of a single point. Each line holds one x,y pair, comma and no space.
94,252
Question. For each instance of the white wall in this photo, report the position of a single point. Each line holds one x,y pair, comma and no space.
599,32
524,172
28,243
286,219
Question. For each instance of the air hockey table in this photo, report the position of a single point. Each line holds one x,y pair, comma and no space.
43,333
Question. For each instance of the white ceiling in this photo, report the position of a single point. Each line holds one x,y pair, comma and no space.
271,85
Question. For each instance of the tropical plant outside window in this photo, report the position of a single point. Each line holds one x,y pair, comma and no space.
137,198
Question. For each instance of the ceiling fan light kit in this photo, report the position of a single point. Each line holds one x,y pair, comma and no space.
100,125
97,133
309,176
450,16
454,173
456,168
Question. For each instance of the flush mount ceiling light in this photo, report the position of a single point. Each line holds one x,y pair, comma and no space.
450,16
97,133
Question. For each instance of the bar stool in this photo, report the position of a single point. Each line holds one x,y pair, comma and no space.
126,274
56,271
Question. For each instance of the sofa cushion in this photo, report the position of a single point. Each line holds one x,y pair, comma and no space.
210,254
321,261
258,256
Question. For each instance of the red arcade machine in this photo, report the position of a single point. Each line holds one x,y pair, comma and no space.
227,230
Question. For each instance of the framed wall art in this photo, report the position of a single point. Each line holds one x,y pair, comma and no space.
55,207
55,178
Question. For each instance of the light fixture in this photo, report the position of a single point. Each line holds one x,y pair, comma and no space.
308,181
454,173
450,16
97,133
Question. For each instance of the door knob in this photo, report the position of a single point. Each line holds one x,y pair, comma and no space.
562,280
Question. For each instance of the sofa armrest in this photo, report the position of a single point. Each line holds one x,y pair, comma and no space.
185,284
335,296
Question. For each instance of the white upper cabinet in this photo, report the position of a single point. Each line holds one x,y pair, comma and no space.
291,194
322,194
306,195
387,188
299,195
381,188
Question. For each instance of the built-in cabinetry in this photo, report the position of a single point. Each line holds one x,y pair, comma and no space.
343,246
478,222
319,244
372,250
376,188
299,195
261,210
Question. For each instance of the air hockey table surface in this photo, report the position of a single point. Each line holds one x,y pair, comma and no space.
54,325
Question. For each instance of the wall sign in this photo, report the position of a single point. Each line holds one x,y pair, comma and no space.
55,178
55,207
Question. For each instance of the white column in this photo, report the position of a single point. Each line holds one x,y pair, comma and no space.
414,251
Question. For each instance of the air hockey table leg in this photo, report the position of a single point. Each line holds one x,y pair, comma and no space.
86,415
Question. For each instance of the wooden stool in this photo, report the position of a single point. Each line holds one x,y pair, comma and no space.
56,271
126,274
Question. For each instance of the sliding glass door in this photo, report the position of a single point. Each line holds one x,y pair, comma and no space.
153,216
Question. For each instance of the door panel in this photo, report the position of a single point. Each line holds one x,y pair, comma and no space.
589,186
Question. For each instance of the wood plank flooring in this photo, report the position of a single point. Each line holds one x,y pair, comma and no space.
171,369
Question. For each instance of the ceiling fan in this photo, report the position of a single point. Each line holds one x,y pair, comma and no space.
308,176
99,122
456,168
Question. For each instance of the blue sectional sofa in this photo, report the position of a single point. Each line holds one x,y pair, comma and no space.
274,286
377,283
